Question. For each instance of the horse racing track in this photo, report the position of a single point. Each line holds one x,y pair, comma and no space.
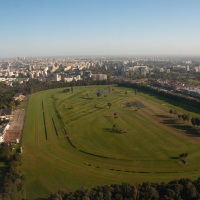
70,142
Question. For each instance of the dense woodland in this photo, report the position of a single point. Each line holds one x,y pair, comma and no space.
13,183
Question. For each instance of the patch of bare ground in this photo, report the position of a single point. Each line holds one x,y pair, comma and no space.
12,135
108,115
160,116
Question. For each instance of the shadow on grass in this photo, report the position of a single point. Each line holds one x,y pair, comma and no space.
184,106
116,132
174,157
162,116
99,108
107,129
189,130
87,98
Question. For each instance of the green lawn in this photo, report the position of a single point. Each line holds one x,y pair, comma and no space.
147,150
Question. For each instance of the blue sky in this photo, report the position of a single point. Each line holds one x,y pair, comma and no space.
99,27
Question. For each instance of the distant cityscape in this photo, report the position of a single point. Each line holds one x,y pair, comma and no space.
160,70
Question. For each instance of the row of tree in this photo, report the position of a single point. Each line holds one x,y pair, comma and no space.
184,117
183,189
34,85
195,121
183,99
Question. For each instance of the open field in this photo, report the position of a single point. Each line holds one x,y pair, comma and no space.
69,143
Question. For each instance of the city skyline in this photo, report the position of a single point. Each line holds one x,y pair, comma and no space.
72,28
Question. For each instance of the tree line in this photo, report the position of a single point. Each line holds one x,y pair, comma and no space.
183,189
33,86
180,98
195,121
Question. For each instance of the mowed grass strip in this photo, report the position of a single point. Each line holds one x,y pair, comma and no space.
147,144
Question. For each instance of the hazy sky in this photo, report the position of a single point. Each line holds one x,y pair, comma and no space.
99,27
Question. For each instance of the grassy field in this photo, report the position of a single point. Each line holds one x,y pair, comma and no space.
69,143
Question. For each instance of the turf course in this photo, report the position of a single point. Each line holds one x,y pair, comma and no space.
69,143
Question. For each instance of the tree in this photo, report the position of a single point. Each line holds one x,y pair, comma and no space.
197,121
113,128
98,94
109,104
184,117
188,117
126,92
179,116
17,157
17,102
193,121
4,151
5,196
66,90
175,112
171,111
183,155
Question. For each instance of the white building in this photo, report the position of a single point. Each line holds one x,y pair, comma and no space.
167,71
99,77
3,132
68,79
56,77
31,75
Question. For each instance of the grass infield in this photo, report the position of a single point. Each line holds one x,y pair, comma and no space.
69,140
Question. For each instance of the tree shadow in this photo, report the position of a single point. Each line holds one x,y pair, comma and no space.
188,129
171,122
107,129
174,157
162,116
117,131
87,98
99,108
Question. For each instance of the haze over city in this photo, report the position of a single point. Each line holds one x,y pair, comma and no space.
68,28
